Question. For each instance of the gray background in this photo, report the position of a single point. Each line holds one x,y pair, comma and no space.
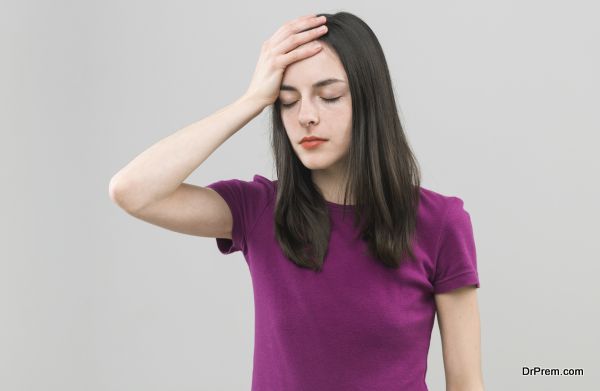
499,100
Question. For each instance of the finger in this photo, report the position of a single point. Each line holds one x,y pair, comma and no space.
277,34
299,54
294,27
281,31
300,39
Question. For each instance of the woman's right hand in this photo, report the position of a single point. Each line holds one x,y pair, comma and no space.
289,44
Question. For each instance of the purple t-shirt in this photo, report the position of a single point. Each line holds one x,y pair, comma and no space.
356,325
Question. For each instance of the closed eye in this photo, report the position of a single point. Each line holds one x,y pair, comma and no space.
325,99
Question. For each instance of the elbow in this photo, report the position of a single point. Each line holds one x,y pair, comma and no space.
112,189
117,192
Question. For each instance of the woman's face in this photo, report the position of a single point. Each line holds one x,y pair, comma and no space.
310,114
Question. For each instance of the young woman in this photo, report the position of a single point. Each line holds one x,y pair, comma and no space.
350,257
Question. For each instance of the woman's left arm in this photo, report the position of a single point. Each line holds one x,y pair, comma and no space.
458,320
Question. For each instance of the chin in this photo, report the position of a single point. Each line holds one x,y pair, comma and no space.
315,163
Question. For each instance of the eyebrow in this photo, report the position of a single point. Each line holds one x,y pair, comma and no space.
319,84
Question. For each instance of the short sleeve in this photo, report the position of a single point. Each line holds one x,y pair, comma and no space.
456,263
246,200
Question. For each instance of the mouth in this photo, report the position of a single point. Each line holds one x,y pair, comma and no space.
310,144
311,138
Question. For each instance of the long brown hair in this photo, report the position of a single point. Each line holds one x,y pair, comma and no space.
382,174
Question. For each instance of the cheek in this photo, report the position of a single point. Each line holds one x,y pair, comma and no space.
290,122
343,116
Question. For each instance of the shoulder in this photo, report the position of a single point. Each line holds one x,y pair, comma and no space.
265,186
438,211
259,187
247,199
268,183
436,206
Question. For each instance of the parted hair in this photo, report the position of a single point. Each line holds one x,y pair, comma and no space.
382,174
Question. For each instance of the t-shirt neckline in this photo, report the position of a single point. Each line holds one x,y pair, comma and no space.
337,206
330,204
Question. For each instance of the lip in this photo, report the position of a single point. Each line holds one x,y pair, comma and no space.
312,138
310,144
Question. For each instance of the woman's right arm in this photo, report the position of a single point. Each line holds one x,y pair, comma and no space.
151,186
158,171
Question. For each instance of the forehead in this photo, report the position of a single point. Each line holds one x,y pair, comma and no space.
317,71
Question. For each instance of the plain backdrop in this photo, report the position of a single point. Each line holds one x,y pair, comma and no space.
498,99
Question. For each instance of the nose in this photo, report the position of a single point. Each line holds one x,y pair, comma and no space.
308,114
